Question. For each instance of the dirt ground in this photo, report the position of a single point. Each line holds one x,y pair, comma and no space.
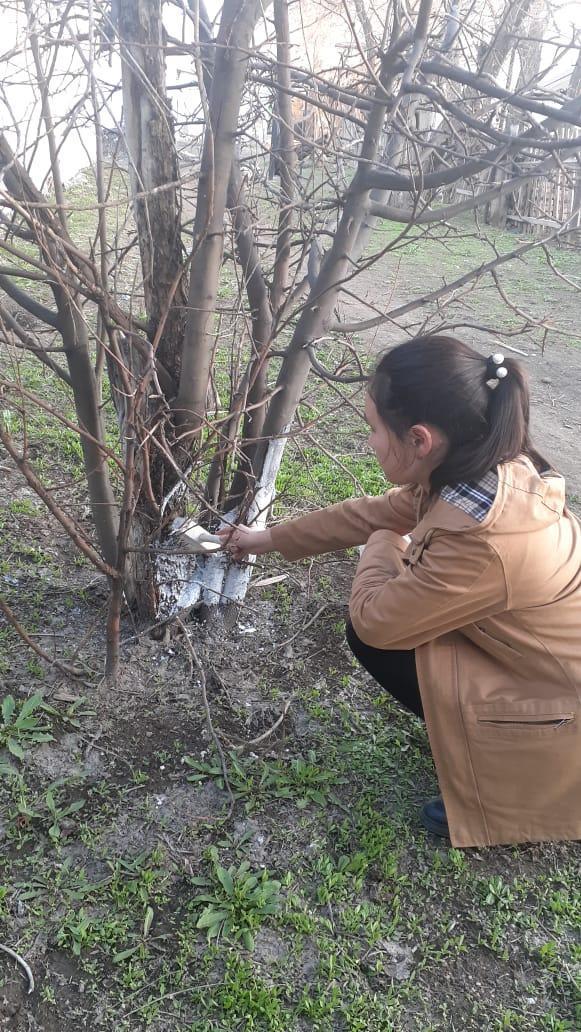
122,842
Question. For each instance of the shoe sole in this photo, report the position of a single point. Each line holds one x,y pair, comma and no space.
435,827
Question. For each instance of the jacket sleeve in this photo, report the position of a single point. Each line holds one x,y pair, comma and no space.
458,579
347,523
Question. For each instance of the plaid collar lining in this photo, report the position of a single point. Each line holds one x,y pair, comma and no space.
474,497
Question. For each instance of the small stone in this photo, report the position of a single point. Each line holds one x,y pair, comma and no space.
397,960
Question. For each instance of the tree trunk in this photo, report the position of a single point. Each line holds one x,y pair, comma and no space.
154,174
493,56
70,323
85,392
574,87
236,27
267,309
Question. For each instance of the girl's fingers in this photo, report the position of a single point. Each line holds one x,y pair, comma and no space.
225,533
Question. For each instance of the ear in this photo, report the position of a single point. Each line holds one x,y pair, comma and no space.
422,440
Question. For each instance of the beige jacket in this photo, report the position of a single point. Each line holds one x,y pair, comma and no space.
493,610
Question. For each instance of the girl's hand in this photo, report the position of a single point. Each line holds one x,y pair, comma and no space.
241,542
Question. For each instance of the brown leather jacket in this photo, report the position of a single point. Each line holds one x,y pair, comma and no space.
493,610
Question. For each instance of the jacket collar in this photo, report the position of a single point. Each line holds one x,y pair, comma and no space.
525,500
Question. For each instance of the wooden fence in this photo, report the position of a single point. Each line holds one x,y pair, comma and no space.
542,204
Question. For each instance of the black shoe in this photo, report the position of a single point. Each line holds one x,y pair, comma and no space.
433,817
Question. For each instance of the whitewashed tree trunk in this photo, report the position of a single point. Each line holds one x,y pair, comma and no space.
186,581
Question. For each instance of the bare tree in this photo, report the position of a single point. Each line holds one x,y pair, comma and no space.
205,388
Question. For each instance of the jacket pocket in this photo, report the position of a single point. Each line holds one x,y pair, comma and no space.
522,723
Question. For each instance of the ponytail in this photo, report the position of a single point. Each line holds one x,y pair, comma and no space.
481,405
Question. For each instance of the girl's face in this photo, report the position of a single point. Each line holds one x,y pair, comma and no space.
407,461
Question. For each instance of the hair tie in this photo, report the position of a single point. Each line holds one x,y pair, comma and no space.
495,369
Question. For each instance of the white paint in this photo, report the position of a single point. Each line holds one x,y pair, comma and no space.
187,580
179,581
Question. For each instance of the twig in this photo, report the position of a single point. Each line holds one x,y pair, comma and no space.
65,668
287,641
266,734
196,661
25,967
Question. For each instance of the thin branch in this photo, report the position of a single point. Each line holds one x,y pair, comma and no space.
28,343
569,112
217,744
8,386
66,521
387,211
447,288
20,960
65,668
325,374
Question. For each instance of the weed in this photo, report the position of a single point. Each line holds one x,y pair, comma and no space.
498,894
246,1001
82,930
48,995
240,773
23,507
48,809
57,813
301,779
237,901
340,877
25,725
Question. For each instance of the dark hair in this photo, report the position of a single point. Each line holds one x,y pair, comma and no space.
441,381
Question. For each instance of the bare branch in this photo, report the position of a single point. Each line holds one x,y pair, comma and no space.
29,343
74,531
447,288
65,668
29,303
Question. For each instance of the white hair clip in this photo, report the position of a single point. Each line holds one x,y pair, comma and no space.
495,370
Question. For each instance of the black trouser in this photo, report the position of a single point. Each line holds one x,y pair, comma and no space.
394,670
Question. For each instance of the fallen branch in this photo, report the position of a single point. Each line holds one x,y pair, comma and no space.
217,744
20,960
287,641
65,668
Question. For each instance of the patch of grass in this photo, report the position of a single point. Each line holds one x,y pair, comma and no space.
236,902
25,725
242,999
302,779
23,507
313,477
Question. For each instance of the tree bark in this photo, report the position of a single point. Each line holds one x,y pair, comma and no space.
493,56
574,87
236,27
73,329
266,310
154,175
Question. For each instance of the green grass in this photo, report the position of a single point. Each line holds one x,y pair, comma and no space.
351,918
310,477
